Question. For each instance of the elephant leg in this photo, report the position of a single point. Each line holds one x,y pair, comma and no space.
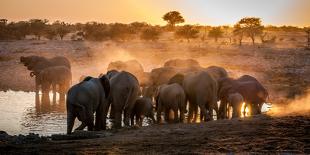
222,110
167,110
176,115
159,110
132,119
70,122
190,113
54,92
195,112
152,117
37,98
90,122
112,116
118,118
182,111
82,126
101,116
141,120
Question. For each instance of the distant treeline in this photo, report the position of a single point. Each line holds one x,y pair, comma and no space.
249,27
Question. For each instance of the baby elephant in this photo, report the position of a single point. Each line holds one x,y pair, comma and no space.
143,108
171,97
235,100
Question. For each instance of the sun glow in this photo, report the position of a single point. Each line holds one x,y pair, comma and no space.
245,110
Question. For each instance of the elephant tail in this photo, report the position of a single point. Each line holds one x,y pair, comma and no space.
129,95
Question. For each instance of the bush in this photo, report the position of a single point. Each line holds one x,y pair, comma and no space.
150,34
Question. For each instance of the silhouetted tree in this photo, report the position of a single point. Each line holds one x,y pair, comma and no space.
173,18
119,31
151,33
307,30
187,31
251,26
37,27
238,33
216,33
61,29
137,27
18,30
226,33
95,31
50,32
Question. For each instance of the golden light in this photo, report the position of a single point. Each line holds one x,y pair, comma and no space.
245,110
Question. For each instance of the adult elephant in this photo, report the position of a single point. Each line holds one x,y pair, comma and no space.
124,92
201,89
37,63
86,98
53,76
132,66
171,97
252,90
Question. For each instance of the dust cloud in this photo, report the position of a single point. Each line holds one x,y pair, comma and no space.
298,106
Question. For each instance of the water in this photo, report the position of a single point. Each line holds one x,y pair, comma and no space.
21,115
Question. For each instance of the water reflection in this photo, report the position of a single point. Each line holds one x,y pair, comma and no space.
22,114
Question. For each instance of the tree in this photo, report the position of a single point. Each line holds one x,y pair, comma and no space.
137,27
61,29
50,32
95,31
216,32
226,33
307,30
37,27
251,26
18,30
151,33
172,18
119,31
187,31
238,33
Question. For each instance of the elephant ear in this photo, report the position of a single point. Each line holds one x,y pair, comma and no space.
106,85
178,78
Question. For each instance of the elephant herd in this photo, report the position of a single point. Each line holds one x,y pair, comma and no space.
126,92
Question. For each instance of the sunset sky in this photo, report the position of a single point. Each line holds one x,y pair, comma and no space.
210,12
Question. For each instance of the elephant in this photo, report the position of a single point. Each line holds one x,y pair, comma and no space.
182,63
124,92
143,108
133,67
252,90
217,72
86,98
235,100
171,97
57,75
201,89
37,63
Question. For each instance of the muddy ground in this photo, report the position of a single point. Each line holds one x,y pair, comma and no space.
258,134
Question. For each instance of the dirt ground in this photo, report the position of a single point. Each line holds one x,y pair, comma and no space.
283,69
258,134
